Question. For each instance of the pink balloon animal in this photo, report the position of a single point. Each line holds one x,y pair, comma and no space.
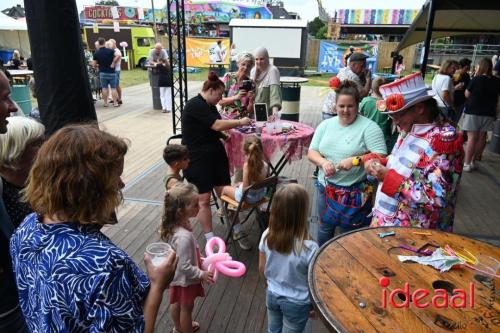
221,261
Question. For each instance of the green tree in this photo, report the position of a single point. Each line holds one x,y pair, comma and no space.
321,34
107,3
315,25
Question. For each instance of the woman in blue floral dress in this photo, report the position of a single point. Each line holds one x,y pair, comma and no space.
70,276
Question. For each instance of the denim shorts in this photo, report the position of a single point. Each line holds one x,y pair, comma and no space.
117,73
108,79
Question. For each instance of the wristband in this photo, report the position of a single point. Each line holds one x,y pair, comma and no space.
356,161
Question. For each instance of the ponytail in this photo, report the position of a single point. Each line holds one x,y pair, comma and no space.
255,162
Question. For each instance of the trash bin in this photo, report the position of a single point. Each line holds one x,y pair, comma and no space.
21,95
495,138
153,82
290,95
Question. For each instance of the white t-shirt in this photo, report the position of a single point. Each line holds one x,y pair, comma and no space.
344,74
119,62
440,84
286,274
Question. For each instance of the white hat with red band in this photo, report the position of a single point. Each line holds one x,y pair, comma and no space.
401,94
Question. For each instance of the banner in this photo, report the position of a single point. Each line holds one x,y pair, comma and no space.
201,51
99,13
223,11
376,16
332,55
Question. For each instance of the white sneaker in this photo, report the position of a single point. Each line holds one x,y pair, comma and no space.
242,240
468,167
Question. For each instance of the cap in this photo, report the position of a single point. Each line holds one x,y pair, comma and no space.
358,56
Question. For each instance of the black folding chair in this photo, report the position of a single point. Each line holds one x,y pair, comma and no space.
232,208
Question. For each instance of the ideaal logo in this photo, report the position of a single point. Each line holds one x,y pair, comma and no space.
460,298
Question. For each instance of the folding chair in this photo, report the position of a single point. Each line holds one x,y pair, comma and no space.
235,207
213,201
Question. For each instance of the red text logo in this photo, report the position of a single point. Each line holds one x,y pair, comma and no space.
460,298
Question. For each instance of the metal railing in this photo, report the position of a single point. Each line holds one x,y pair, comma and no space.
442,52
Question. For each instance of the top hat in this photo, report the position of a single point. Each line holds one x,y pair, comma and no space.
404,93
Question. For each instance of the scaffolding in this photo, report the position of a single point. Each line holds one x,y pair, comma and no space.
176,31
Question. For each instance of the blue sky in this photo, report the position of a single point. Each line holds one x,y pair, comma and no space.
307,9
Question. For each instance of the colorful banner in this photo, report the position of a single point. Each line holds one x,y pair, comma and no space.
99,13
376,16
332,55
223,11
201,51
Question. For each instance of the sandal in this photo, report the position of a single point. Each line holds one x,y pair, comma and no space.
105,105
196,327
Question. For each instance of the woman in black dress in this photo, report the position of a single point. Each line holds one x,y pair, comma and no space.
202,128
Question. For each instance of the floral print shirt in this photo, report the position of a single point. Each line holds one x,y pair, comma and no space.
72,278
421,185
232,88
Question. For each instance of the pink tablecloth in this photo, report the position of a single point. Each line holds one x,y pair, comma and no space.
294,144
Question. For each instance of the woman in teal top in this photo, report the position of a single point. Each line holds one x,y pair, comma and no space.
344,197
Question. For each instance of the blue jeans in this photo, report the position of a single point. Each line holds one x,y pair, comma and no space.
326,115
285,316
326,231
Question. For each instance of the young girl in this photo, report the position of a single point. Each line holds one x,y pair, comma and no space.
285,253
181,204
254,171
165,84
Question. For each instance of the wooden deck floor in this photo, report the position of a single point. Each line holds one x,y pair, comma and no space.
238,305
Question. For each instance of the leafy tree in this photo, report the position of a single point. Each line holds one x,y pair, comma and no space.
321,34
107,3
315,25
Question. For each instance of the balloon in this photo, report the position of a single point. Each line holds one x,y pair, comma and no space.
221,261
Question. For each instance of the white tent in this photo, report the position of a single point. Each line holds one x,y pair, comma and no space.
14,35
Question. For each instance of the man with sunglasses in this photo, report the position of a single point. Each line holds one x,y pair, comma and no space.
419,180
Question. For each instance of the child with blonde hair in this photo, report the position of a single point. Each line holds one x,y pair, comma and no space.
285,253
254,171
181,204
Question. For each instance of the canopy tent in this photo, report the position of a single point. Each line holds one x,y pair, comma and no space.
14,35
453,18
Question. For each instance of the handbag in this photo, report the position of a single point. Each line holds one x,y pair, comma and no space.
348,206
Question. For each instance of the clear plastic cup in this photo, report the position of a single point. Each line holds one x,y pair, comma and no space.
270,128
158,252
258,129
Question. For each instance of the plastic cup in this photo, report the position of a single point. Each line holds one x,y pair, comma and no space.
258,129
270,128
158,252
278,127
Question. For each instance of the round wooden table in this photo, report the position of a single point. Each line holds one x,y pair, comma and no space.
347,273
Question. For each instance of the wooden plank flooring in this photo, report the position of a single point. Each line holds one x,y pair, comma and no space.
238,305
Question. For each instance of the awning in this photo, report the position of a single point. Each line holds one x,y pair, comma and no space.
453,18
8,23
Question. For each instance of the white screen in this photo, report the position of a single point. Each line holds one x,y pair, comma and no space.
280,42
